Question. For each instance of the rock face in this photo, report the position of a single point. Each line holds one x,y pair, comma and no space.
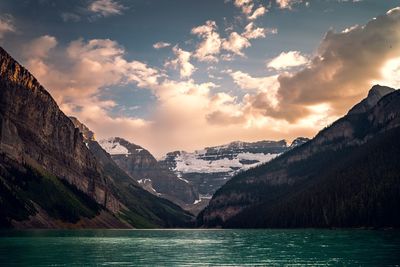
144,168
347,176
35,131
40,147
212,167
374,95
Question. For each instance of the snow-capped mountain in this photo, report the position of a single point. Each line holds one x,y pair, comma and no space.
140,164
210,168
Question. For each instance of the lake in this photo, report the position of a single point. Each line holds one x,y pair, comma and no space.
199,247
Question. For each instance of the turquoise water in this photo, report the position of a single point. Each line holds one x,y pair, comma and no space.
200,248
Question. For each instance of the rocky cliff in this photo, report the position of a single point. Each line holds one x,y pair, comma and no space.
41,147
35,131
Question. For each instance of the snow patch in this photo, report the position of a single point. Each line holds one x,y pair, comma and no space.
191,163
148,185
196,201
112,147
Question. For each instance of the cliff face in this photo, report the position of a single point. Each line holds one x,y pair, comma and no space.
343,169
48,175
35,131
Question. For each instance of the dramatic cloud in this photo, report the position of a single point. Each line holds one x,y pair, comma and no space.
304,96
83,68
77,75
6,24
182,62
106,8
160,45
266,85
345,66
287,60
391,74
211,41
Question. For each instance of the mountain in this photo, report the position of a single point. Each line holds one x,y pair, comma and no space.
374,95
138,201
212,167
48,176
144,168
348,175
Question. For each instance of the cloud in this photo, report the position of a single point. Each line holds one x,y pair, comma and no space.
40,47
67,16
287,4
268,86
235,43
189,114
390,73
82,69
258,13
245,5
344,67
287,60
253,32
106,8
160,45
182,62
76,76
6,24
211,42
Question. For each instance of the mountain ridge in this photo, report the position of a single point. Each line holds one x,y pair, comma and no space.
211,167
139,163
268,185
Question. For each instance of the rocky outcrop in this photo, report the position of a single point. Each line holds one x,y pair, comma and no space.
87,134
374,95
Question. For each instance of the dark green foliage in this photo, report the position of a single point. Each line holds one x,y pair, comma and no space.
22,187
360,189
347,176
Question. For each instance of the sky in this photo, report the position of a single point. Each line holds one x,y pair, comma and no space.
186,74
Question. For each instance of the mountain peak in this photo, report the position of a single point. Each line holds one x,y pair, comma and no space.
299,141
374,95
119,146
380,90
